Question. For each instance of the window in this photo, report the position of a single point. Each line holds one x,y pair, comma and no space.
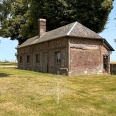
28,60
57,54
20,59
37,58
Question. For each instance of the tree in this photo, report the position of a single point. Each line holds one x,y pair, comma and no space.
4,10
24,15
12,27
91,13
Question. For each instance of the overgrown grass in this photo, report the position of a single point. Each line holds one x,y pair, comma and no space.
27,93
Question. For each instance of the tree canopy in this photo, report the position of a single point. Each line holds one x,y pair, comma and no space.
5,7
91,13
13,25
19,19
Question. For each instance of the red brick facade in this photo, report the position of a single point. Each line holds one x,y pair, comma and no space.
86,57
46,53
78,56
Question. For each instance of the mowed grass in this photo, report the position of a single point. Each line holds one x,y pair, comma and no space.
28,93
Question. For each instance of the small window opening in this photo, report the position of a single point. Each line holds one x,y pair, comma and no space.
20,59
37,58
28,59
58,59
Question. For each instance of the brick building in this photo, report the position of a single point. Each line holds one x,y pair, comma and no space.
72,49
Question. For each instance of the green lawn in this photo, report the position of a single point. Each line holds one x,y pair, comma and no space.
27,93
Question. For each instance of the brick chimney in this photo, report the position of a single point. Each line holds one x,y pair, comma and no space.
42,27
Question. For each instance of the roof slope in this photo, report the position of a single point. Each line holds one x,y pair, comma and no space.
74,29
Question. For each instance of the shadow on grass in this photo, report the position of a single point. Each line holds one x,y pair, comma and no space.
4,75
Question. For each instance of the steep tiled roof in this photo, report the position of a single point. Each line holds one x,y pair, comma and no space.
74,29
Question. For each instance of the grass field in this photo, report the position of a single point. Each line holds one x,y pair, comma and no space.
27,93
7,63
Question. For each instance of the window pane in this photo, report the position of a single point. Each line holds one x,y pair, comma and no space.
57,57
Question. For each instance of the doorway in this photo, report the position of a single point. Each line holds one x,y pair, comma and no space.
105,63
45,62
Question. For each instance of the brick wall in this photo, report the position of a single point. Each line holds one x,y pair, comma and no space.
47,48
86,56
85,62
79,56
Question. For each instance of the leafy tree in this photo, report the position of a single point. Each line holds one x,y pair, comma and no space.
91,13
12,27
24,14
5,7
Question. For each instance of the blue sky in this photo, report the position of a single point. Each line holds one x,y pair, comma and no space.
110,32
7,46
7,49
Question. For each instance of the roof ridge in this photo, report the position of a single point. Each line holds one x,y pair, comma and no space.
59,27
71,28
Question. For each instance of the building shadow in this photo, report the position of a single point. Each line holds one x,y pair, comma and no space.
4,75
